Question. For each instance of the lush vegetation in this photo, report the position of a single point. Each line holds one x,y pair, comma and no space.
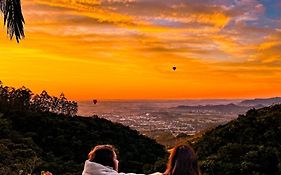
60,144
35,138
250,144
38,132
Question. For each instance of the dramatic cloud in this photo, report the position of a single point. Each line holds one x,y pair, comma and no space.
126,48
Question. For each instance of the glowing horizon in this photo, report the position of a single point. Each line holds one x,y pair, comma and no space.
125,49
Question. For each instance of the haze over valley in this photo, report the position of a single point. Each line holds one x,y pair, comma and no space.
159,117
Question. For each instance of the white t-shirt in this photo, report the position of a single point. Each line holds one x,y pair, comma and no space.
93,168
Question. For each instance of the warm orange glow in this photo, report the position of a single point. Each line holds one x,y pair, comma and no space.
126,50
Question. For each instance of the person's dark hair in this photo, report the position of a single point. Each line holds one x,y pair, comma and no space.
104,155
182,161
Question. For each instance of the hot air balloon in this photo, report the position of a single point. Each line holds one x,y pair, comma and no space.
95,101
174,68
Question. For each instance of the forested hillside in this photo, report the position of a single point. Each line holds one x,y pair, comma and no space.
251,144
40,132
60,144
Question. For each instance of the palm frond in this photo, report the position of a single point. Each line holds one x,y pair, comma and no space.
2,5
13,18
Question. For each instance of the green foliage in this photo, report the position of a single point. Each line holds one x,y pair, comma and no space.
18,155
40,132
250,144
60,144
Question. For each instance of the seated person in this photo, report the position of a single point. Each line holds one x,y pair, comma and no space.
182,161
102,161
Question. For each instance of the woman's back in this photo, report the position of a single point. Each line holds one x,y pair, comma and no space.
182,161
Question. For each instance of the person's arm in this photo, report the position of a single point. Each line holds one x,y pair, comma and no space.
129,174
157,173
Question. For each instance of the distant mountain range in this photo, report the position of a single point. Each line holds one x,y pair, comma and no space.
228,108
240,107
261,102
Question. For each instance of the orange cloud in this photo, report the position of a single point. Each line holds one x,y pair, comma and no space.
126,49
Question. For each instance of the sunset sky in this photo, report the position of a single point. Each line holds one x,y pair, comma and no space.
125,49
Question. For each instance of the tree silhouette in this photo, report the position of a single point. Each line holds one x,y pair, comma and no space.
42,102
23,99
13,18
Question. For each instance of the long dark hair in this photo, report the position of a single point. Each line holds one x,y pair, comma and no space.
104,155
182,161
